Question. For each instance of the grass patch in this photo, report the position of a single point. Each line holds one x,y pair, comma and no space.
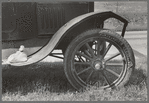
46,81
45,76
132,93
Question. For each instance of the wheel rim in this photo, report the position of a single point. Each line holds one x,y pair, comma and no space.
90,66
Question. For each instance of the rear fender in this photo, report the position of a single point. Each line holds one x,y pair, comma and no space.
86,22
66,30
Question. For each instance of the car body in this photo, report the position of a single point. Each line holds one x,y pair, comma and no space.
43,27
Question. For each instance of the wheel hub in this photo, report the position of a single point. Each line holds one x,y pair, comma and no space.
97,65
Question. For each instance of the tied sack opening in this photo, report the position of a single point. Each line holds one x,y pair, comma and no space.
19,56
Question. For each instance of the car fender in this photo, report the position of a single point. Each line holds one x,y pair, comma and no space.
62,32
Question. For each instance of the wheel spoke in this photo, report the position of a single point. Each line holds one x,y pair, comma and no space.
87,53
83,70
80,58
115,55
98,48
109,70
114,64
90,50
107,49
81,54
89,76
105,77
98,82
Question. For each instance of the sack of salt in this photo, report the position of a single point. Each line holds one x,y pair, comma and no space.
19,56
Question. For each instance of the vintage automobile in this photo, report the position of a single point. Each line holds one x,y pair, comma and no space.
93,55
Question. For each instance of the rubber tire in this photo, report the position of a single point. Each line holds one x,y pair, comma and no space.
116,38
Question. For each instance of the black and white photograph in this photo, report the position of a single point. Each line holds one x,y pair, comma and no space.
74,50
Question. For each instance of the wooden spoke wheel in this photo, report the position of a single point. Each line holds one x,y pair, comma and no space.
98,58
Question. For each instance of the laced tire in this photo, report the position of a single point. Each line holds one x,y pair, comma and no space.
87,64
